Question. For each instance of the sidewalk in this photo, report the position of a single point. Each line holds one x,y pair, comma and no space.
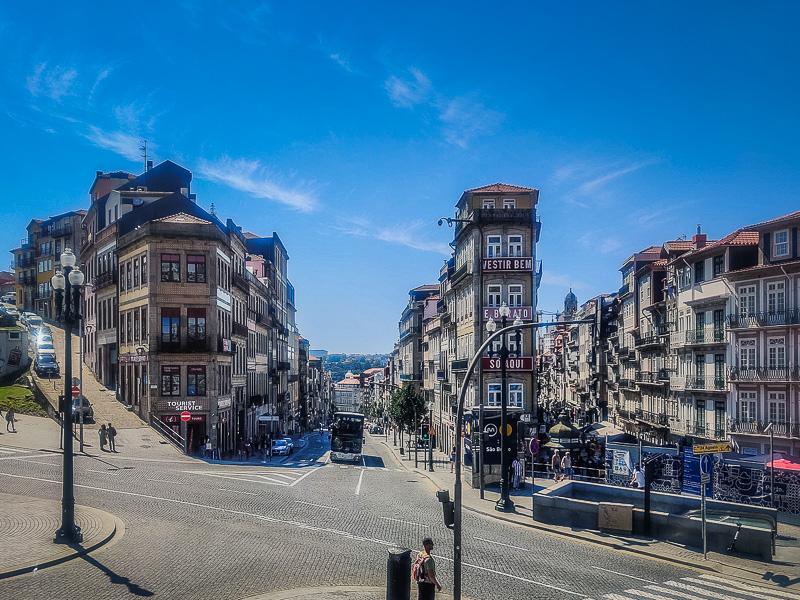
784,567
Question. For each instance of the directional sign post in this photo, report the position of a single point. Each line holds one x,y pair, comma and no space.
712,448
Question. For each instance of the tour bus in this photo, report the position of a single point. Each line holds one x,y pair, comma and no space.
347,435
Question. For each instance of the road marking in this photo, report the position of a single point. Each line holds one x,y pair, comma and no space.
623,574
280,521
165,481
317,505
358,487
502,544
406,522
96,471
237,492
737,586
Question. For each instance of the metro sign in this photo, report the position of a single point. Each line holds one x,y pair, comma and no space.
523,313
519,363
518,264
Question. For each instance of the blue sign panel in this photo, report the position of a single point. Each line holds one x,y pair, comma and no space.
691,474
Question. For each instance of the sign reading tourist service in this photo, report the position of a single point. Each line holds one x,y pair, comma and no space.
508,264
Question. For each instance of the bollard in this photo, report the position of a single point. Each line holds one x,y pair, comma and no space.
398,574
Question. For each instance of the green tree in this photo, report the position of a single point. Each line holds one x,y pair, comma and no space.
406,404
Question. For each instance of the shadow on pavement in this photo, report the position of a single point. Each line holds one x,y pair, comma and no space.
133,588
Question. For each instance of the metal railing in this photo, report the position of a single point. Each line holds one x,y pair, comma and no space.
707,383
652,417
765,374
789,316
176,439
705,431
708,334
757,428
653,377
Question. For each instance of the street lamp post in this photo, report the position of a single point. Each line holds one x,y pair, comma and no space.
504,503
67,286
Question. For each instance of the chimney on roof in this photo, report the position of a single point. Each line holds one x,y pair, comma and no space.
99,173
698,239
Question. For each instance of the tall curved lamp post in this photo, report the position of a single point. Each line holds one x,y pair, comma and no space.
457,520
504,503
67,287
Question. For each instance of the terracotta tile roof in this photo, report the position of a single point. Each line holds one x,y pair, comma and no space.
740,237
678,245
789,217
651,250
767,266
660,263
501,188
182,217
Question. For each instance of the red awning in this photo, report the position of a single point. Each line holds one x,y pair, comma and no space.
785,463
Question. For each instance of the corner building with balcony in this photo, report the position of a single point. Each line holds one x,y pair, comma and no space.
494,263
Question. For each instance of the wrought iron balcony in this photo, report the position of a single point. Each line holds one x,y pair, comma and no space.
104,279
61,231
765,374
239,329
709,384
241,283
652,377
459,365
784,429
705,431
789,316
652,417
284,366
709,334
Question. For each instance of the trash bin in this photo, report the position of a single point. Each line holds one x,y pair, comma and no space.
398,574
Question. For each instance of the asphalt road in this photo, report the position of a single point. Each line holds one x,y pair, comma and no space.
197,530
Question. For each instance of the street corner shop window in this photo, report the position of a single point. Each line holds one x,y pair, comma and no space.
170,380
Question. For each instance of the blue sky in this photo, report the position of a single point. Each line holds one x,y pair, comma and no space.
350,128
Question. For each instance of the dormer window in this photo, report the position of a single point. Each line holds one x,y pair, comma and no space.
488,203
781,245
509,202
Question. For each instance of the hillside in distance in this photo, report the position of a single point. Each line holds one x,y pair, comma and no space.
340,364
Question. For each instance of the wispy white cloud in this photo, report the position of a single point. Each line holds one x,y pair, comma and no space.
592,185
124,144
54,82
467,118
255,178
342,62
402,234
462,118
407,91
600,243
103,74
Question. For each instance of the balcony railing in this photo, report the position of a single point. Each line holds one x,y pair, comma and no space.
651,417
459,365
25,262
709,383
709,334
652,377
284,366
241,283
461,273
239,329
765,374
624,382
790,316
652,338
705,431
188,345
787,430
105,279
61,231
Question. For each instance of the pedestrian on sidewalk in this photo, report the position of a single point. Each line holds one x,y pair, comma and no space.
555,464
566,466
637,479
453,460
429,585
11,420
103,437
518,470
112,436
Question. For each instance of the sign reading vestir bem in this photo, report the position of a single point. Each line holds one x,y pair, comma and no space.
520,264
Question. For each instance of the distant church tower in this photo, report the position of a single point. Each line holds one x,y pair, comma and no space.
570,304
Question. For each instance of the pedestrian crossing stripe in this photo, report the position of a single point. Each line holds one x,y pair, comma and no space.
283,478
704,587
15,449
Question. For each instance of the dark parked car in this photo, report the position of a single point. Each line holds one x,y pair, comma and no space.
88,410
46,364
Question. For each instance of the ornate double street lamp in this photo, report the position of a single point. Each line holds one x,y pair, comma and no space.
504,503
67,286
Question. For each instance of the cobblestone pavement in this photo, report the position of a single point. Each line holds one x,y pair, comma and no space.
305,528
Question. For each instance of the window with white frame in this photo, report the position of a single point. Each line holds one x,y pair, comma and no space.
747,300
780,246
747,406
493,295
515,395
777,407
776,348
747,354
776,298
488,203
515,245
493,397
493,246
509,202
515,295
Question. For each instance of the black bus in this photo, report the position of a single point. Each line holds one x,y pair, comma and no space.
347,435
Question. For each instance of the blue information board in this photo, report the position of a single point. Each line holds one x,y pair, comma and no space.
691,474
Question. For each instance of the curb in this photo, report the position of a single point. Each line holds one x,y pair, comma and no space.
77,549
